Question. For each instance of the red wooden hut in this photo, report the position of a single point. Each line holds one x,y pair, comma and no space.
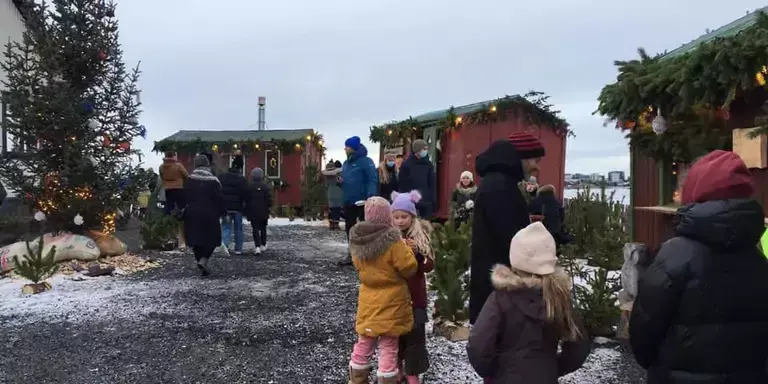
707,103
284,155
458,134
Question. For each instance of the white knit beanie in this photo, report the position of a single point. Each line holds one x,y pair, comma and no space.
533,250
469,175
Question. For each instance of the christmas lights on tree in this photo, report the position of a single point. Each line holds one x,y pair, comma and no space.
72,113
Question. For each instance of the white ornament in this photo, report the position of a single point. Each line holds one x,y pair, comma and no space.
39,216
94,124
659,124
469,204
78,220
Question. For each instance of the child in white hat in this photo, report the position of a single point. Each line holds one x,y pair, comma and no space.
516,335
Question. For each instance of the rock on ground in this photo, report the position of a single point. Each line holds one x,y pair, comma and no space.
285,316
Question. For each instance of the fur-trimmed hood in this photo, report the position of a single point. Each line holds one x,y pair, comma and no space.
203,174
331,172
466,190
505,278
369,240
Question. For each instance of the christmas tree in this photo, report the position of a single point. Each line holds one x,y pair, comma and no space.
72,116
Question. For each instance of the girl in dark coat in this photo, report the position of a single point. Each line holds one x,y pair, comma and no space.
257,204
388,177
516,336
463,198
701,313
205,207
500,209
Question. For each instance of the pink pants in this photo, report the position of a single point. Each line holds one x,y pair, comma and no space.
364,348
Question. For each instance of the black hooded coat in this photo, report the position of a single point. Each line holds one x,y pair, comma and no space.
500,211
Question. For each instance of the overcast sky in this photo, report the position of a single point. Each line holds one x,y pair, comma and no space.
340,66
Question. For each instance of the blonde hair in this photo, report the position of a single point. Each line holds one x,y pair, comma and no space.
558,303
419,232
383,173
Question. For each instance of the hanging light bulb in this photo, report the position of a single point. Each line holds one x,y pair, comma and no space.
659,123
459,120
493,108
257,146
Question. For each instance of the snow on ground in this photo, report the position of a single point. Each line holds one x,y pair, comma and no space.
292,304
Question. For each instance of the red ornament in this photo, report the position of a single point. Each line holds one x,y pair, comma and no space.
102,55
125,145
107,141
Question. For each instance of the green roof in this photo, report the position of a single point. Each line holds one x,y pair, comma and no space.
462,110
252,135
731,29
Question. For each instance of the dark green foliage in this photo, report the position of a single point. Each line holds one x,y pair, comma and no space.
158,230
691,90
449,278
312,191
66,71
599,226
35,266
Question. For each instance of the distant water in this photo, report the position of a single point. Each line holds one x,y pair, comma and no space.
621,194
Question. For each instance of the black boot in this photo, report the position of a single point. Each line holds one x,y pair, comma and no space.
202,265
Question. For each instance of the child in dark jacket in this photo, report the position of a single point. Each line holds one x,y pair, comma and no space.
413,346
516,335
258,201
545,208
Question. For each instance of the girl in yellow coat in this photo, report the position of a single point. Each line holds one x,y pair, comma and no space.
384,263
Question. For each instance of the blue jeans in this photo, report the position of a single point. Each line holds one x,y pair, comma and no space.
233,219
334,213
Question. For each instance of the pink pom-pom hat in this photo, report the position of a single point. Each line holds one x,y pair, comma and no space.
406,202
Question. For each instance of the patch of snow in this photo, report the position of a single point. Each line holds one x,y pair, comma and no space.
105,298
283,221
602,366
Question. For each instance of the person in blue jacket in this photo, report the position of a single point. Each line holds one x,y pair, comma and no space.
359,181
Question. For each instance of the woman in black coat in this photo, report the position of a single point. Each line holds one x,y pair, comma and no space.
205,207
388,177
500,211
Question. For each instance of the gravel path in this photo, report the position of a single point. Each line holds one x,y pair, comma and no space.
282,317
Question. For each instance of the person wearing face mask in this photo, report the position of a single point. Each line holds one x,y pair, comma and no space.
500,208
388,176
418,173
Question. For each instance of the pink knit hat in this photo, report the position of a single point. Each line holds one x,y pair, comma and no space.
533,250
406,202
377,211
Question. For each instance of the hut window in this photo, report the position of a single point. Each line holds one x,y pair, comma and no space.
272,160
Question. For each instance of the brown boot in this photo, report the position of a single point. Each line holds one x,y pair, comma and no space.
359,374
389,378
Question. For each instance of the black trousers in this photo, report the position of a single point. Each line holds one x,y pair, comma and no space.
174,199
353,214
202,252
259,233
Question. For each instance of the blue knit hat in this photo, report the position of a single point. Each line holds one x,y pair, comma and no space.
353,142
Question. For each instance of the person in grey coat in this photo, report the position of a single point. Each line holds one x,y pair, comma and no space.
333,190
205,206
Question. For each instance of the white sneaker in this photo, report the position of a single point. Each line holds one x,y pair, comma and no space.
263,248
257,251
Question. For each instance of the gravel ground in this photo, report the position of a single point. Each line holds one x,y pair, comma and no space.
285,316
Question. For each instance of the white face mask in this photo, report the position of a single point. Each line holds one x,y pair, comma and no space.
423,153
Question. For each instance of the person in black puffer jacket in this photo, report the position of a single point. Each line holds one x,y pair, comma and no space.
701,313
235,190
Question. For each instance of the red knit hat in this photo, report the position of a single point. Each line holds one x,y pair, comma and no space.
720,175
527,146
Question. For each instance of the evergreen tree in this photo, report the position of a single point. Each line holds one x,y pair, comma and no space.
449,278
73,114
35,266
